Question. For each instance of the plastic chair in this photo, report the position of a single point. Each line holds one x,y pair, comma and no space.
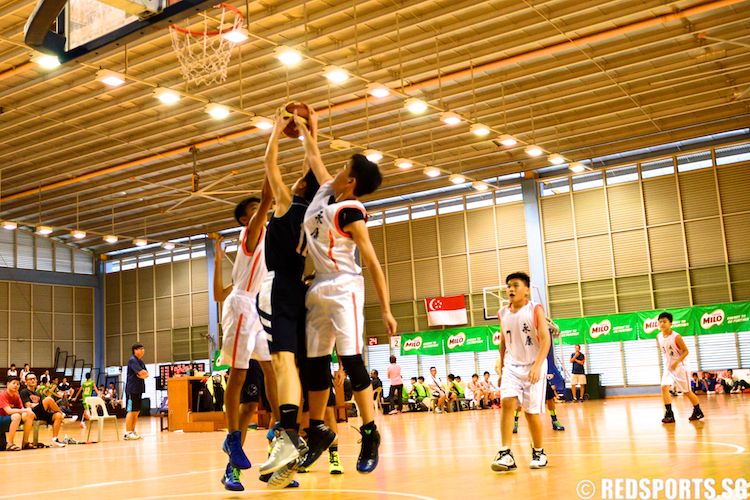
96,404
378,395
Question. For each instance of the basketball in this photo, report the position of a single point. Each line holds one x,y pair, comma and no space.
302,110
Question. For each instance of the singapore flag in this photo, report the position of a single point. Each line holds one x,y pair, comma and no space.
446,310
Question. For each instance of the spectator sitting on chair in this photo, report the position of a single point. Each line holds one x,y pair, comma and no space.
12,413
111,393
45,410
710,380
697,385
479,395
455,388
439,392
44,379
733,384
25,371
422,398
12,372
376,382
493,392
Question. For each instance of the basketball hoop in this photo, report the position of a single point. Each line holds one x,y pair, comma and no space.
204,53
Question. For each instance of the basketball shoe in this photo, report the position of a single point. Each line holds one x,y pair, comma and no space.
231,479
233,447
504,461
538,459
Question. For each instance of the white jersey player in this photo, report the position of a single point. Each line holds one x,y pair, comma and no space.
336,233
242,333
523,369
676,373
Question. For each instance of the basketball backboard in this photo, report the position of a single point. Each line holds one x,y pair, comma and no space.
82,29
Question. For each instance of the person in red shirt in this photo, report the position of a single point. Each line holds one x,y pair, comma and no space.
12,407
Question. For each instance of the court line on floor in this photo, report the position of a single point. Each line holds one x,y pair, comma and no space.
297,491
110,483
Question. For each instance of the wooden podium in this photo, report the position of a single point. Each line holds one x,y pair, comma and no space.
181,417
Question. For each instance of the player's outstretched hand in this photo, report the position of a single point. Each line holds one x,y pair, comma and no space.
534,373
279,124
313,121
390,324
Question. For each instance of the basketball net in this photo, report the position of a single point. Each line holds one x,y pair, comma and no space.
204,53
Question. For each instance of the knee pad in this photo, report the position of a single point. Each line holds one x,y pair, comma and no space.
354,366
317,372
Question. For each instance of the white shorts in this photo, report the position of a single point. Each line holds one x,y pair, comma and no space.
678,378
242,334
335,315
515,384
578,379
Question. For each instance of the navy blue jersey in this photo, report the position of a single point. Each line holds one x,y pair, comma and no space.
285,241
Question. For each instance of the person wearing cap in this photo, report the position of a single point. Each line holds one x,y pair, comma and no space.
135,386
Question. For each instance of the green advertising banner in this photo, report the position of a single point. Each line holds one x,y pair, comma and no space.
423,343
721,318
571,330
467,339
697,320
611,328
648,322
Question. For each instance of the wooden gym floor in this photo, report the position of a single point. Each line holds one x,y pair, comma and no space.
423,456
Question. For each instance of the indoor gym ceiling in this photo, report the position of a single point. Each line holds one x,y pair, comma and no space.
579,78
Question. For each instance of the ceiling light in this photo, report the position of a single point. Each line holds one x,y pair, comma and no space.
288,56
78,234
261,122
479,129
479,186
533,151
110,238
140,242
43,230
47,61
577,167
373,155
507,140
217,111
236,35
110,78
167,245
450,118
556,159
9,225
340,145
457,178
416,106
335,74
432,171
378,90
167,96
403,163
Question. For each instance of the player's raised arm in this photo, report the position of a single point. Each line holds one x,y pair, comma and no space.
258,222
312,152
220,292
358,230
281,192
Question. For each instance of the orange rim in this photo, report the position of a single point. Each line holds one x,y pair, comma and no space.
222,5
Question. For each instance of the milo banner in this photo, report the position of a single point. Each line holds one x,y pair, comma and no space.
697,320
475,339
610,328
721,318
430,343
423,343
648,322
571,330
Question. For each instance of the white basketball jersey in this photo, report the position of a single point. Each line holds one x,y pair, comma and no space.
669,347
249,269
331,249
520,334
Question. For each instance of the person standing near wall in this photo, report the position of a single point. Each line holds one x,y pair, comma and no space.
578,359
135,386
397,385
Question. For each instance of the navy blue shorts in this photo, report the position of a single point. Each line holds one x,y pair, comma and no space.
281,307
134,402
